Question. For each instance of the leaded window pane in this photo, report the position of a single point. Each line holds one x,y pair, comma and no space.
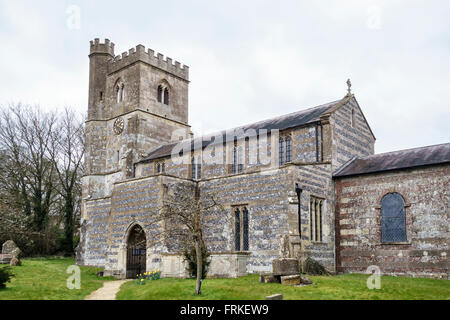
288,150
237,230
393,218
245,229
281,152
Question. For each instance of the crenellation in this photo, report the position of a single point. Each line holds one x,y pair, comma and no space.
102,48
139,54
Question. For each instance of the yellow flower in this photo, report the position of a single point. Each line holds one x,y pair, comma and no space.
142,280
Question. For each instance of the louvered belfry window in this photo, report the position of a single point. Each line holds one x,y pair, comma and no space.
393,218
160,92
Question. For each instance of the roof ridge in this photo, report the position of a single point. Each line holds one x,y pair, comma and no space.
403,150
212,134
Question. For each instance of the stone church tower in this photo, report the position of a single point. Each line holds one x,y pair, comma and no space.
137,101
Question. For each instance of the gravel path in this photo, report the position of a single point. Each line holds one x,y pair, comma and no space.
107,292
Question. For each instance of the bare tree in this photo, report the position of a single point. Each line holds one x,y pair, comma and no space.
25,133
184,212
66,151
41,166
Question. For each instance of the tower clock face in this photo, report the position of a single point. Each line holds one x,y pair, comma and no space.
118,126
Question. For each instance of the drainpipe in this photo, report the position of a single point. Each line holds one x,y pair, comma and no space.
299,194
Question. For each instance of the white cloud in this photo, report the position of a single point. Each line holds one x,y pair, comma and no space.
250,60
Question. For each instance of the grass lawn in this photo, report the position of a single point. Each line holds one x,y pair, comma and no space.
45,279
348,287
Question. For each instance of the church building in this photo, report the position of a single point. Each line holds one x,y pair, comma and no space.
308,178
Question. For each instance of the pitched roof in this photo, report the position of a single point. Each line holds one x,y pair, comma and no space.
423,156
287,121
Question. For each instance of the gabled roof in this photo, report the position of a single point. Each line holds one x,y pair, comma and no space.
291,120
410,158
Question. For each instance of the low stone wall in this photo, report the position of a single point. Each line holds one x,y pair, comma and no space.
228,265
223,265
173,266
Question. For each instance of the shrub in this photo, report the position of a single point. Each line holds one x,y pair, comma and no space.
5,276
313,267
191,258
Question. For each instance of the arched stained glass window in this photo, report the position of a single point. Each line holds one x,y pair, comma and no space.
393,218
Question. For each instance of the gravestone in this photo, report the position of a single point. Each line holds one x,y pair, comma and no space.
275,297
11,252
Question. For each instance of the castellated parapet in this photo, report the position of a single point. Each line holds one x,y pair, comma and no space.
139,54
106,48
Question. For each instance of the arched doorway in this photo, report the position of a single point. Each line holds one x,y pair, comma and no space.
136,252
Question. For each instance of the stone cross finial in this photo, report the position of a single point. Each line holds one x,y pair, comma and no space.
349,85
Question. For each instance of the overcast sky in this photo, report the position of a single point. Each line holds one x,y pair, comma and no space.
249,60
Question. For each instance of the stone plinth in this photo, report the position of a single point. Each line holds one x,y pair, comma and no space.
285,267
294,280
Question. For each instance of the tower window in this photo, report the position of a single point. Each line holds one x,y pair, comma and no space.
101,95
163,94
160,92
166,96
120,93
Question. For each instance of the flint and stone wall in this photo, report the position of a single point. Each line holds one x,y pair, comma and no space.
358,238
